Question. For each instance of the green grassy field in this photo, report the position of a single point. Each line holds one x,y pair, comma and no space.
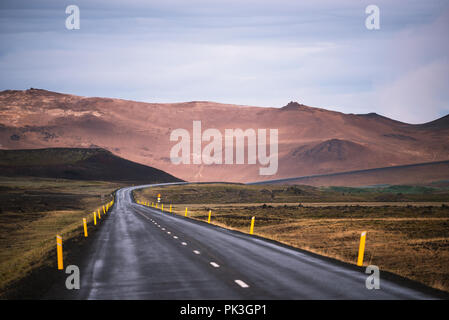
408,235
32,212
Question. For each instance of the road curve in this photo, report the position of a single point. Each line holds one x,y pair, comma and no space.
141,253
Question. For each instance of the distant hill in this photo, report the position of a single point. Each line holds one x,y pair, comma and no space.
79,164
414,174
312,141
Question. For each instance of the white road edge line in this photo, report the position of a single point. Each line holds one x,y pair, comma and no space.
215,265
241,283
143,215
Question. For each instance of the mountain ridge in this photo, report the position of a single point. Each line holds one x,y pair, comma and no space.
140,132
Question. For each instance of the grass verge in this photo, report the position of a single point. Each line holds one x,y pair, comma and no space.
33,211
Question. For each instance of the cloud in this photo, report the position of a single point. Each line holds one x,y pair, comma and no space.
262,52
419,95
419,69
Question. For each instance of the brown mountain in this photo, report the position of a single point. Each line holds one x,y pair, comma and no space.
311,140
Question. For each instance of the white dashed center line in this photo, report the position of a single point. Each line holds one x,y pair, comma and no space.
196,252
184,243
168,232
213,264
241,283
163,229
175,237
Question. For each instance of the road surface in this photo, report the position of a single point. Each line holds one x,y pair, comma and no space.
141,253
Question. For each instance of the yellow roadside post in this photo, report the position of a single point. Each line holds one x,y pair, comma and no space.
95,218
170,208
99,215
156,205
208,219
162,207
251,230
85,227
361,249
104,211
59,251
185,215
152,205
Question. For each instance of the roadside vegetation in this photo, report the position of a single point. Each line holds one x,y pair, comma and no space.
407,226
240,193
32,212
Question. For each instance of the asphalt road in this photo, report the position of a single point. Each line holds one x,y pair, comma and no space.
141,253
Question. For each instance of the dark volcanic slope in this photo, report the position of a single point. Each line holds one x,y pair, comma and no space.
77,163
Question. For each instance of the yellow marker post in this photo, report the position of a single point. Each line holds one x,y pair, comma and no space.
361,249
99,215
251,230
156,205
162,207
95,218
185,215
85,227
208,219
152,205
59,251
170,208
104,211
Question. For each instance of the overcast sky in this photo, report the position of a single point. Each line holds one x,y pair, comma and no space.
257,52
